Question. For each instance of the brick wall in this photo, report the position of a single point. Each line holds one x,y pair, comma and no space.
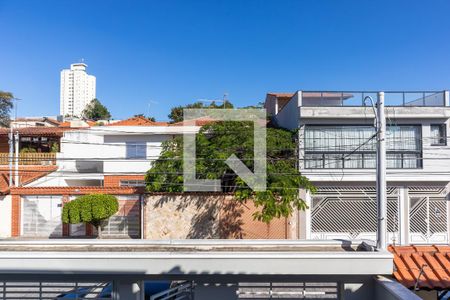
15,215
114,180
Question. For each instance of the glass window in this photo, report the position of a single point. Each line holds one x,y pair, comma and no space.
136,150
354,147
438,135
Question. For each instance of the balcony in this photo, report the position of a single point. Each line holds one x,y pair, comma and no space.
30,159
391,98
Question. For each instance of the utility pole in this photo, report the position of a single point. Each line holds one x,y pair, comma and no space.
16,140
11,155
381,174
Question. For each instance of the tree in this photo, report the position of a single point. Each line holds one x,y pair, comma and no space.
214,144
93,209
176,113
6,105
149,118
96,111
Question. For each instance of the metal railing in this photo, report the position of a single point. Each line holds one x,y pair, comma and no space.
179,292
30,158
392,98
54,290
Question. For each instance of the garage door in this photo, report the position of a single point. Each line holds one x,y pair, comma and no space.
41,216
126,222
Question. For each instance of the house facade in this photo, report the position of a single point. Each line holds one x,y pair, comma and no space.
337,152
109,159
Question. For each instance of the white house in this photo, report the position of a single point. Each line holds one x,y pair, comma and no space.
337,153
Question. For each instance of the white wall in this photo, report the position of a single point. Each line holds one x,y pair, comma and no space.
289,115
5,216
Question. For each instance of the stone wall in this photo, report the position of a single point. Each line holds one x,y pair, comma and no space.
194,216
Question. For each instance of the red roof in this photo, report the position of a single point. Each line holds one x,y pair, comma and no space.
27,174
197,122
138,121
36,131
422,267
76,190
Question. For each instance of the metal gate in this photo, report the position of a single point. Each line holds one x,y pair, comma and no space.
54,290
126,222
428,220
41,216
351,213
180,292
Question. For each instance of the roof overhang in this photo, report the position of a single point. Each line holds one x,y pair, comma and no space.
180,257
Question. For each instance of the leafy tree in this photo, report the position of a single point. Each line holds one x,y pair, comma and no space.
149,118
6,105
96,111
214,144
176,113
93,209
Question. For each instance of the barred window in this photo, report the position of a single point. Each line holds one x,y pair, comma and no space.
354,147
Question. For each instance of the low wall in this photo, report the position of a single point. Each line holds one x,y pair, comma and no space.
194,216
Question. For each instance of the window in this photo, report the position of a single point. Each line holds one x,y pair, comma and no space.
136,150
354,147
438,135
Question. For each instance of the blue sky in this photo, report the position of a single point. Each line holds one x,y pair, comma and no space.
168,53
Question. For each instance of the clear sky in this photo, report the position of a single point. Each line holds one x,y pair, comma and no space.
165,53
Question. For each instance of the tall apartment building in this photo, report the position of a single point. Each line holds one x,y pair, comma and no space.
77,90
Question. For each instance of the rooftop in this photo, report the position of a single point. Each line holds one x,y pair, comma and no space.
422,267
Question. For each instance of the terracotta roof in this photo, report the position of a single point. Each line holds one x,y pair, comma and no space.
36,131
197,122
76,190
138,121
422,267
27,174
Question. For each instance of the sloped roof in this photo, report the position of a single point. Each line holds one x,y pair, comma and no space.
422,267
27,174
36,131
39,119
138,121
197,122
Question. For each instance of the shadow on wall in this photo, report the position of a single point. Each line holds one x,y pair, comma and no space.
194,216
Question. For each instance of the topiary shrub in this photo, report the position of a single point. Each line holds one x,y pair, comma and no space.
92,209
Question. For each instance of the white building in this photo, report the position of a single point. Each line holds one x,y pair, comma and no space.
337,153
77,90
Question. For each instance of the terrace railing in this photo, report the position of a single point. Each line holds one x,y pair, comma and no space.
30,158
391,98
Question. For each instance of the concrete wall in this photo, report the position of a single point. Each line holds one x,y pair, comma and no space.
289,115
5,216
193,216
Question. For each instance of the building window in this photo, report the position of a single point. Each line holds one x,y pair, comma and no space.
438,135
354,147
136,150
132,183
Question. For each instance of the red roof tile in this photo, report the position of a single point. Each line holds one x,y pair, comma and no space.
137,121
197,122
422,267
76,190
27,174
36,131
